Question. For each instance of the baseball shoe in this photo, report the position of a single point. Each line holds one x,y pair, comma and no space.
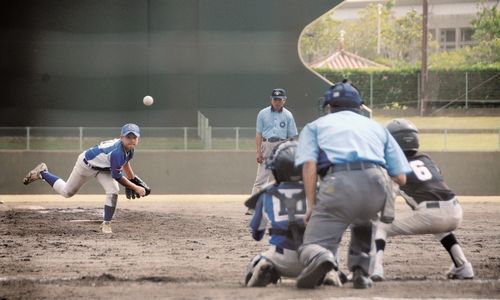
360,280
34,174
106,227
250,212
335,278
314,273
463,272
378,273
263,274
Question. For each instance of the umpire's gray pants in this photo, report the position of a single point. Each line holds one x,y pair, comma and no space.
264,175
345,198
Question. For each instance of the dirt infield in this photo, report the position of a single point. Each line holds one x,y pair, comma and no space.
197,247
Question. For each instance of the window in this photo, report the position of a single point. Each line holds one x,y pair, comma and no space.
447,38
466,37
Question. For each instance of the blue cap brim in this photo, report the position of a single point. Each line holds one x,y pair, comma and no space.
135,133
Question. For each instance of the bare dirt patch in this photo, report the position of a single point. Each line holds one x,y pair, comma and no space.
199,249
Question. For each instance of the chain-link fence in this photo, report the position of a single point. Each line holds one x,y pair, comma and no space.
221,138
398,89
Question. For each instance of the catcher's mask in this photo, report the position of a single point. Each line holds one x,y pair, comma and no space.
405,133
282,163
342,96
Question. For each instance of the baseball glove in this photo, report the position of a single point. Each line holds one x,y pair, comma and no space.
129,193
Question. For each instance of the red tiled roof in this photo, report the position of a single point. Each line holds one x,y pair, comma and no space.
345,60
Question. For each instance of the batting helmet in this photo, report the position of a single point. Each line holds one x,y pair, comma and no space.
405,133
282,163
342,95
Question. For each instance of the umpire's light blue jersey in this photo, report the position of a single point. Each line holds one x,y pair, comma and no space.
271,209
271,123
345,137
109,154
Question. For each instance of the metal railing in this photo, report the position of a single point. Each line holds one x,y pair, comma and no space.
220,138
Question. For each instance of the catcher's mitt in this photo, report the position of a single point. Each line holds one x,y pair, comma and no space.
129,193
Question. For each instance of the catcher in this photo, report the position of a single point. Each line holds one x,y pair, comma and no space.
282,204
435,208
107,162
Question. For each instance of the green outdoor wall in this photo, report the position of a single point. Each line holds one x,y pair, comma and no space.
226,172
90,62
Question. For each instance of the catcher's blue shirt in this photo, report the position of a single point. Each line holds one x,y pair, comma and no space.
270,209
271,123
109,154
345,137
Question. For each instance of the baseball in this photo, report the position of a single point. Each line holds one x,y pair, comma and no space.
148,100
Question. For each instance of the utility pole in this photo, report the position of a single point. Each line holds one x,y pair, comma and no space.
424,89
379,12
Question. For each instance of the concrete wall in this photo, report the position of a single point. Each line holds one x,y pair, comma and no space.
229,172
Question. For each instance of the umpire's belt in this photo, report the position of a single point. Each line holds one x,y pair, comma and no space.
358,165
93,167
273,139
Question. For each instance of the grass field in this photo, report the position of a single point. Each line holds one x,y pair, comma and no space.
449,122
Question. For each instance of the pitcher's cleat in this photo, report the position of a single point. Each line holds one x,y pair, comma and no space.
34,174
106,227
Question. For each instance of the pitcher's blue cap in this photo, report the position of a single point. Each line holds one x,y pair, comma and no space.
131,128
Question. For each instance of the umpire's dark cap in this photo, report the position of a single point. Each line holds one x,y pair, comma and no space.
278,93
131,128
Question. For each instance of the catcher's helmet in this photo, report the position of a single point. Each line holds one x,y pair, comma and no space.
342,95
405,133
282,163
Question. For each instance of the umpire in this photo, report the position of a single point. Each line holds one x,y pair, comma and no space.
356,158
275,124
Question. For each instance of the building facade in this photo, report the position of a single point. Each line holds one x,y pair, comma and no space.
449,20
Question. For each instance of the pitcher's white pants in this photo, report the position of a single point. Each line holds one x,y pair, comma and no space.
80,175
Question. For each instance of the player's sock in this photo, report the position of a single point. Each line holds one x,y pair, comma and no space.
49,177
109,211
451,245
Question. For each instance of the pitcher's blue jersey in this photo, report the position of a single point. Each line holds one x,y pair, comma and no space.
109,154
270,209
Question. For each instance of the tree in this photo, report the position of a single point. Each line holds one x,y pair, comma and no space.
405,39
486,24
399,37
361,34
320,38
486,52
